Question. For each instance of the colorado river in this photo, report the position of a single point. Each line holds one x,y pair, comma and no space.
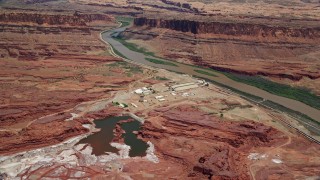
220,78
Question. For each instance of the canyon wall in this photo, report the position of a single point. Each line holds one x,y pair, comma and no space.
232,29
76,19
29,35
181,5
285,50
37,1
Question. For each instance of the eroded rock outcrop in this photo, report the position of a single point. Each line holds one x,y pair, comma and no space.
206,145
40,134
118,131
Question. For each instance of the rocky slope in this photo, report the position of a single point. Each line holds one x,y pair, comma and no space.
32,35
216,148
205,145
37,135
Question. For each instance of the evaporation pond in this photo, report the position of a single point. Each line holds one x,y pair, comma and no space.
100,141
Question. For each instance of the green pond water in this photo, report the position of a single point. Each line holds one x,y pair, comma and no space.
100,141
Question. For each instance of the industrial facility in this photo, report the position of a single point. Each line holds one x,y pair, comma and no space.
164,91
186,86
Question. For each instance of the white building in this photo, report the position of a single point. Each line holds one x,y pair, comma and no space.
185,86
158,97
143,90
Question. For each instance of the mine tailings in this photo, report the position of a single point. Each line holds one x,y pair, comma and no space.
101,140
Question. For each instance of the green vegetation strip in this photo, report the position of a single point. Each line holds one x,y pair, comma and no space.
205,72
130,67
132,46
161,78
299,94
157,61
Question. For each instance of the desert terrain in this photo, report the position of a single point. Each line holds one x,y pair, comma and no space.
279,40
58,78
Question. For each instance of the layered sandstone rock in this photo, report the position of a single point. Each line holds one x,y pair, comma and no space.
206,146
77,19
34,35
233,29
39,134
37,1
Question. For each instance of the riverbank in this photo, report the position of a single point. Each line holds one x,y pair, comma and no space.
303,95
187,69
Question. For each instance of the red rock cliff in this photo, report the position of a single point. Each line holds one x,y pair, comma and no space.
233,29
76,19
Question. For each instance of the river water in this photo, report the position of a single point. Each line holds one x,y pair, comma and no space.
182,68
